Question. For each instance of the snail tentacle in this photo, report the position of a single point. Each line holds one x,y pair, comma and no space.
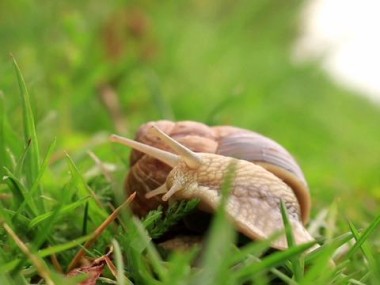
160,190
164,156
191,159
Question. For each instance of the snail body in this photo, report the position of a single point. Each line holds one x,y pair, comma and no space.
253,204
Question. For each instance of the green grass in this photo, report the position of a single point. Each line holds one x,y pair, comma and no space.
219,62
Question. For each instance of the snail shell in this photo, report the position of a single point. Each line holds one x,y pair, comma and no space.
253,204
148,173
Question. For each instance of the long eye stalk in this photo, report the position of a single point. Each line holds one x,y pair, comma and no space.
164,156
191,159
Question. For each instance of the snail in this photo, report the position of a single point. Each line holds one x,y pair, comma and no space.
187,160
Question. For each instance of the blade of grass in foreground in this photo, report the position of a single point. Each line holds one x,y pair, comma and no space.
218,249
144,262
121,279
7,215
2,136
98,232
179,266
375,273
364,247
32,164
256,248
65,209
8,267
39,264
272,261
297,261
17,188
336,243
364,237
321,263
15,279
99,212
29,196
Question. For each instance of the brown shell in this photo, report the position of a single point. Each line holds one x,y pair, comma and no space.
147,173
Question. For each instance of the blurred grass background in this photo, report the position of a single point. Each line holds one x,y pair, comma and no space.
219,62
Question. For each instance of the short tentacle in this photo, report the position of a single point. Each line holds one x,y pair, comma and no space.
175,188
160,190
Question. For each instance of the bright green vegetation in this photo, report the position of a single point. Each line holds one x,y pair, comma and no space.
219,62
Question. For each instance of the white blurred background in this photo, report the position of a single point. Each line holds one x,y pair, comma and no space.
345,34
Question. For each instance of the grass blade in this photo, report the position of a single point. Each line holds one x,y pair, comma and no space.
121,280
273,260
364,237
255,248
8,267
17,188
84,190
29,196
367,253
336,243
62,247
179,267
322,262
151,252
364,247
39,264
98,231
65,209
6,215
32,165
297,261
143,258
2,136
221,236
